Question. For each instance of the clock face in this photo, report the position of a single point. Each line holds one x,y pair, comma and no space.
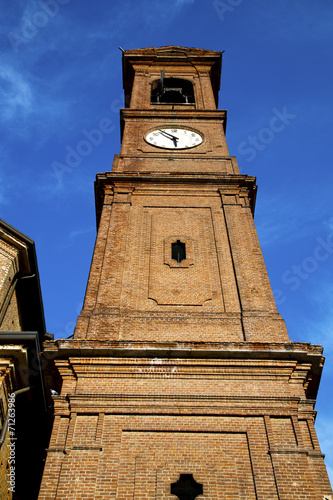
173,138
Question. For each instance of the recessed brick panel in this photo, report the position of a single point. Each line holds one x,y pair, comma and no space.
151,461
179,285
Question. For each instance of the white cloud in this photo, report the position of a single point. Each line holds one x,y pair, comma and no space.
317,328
3,191
25,102
284,217
325,433
329,225
155,14
75,235
322,327
181,3
16,96
314,19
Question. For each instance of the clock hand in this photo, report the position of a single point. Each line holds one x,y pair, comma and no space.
169,136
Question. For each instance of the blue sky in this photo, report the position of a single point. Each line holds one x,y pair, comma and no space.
60,75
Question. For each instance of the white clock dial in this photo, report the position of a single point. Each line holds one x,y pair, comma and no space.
173,138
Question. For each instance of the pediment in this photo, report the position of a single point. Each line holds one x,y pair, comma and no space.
172,50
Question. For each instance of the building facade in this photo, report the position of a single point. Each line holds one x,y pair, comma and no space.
180,381
24,407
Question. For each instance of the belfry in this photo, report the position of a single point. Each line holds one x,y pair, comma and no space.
181,380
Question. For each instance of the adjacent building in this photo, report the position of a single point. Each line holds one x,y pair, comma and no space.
24,408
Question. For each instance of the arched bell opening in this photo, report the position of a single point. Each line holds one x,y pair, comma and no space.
172,91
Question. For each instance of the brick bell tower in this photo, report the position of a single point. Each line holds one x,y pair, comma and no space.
180,381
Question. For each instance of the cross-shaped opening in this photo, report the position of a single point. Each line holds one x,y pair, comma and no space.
186,488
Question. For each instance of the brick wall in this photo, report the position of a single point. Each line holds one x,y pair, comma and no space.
134,293
128,426
181,367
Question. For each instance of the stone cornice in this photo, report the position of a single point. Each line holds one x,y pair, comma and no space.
302,353
175,114
94,403
131,180
299,351
215,178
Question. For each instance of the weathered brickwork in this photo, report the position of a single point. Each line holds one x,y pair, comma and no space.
181,365
132,416
13,259
9,267
238,425
24,423
223,295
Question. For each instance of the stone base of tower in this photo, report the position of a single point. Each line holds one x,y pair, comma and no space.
134,416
